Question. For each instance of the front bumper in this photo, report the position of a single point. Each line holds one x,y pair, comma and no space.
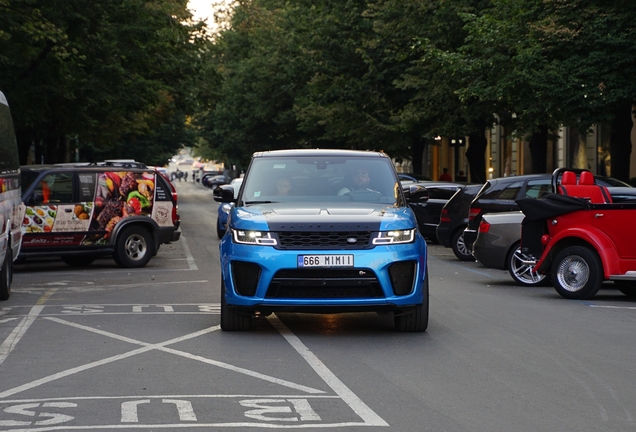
276,282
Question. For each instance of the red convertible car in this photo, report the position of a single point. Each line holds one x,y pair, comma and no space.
580,236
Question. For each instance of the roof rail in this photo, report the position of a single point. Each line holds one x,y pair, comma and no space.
126,164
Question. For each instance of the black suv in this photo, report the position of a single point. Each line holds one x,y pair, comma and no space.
428,212
500,195
454,219
80,211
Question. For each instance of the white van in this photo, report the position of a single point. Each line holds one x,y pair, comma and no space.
10,199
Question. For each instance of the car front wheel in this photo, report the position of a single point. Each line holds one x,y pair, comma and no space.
577,273
231,319
134,247
415,320
520,268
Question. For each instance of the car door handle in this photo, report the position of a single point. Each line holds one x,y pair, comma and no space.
598,215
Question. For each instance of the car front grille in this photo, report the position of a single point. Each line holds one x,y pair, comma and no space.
325,240
321,284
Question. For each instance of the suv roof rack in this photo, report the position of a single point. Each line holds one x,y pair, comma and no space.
127,164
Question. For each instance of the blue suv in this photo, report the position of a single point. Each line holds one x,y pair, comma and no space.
322,231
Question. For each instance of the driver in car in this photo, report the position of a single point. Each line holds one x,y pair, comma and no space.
358,180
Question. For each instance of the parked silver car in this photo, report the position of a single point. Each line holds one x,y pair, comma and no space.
498,246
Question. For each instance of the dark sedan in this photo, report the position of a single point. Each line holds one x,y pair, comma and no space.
453,220
428,213
215,180
498,245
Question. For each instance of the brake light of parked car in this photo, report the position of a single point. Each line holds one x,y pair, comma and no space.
444,217
484,227
473,213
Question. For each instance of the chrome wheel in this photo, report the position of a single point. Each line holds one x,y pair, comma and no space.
136,247
520,267
573,273
577,272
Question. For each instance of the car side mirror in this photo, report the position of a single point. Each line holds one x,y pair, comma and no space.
34,199
223,194
415,193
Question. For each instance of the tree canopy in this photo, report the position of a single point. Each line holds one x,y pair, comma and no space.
136,77
104,77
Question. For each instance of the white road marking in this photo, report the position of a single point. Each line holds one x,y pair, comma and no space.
129,410
147,284
613,307
7,320
17,333
149,347
263,403
186,249
360,408
184,409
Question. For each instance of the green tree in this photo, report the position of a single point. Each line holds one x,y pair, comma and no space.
102,75
554,62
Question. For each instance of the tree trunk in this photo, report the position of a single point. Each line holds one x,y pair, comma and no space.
25,139
476,156
417,151
621,141
539,150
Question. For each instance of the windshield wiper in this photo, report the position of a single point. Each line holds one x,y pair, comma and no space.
260,202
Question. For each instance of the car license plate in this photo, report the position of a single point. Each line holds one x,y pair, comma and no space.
325,260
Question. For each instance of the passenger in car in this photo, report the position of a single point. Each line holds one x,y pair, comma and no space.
283,186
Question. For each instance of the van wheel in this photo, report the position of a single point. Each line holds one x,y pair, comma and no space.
459,247
577,273
522,272
78,260
6,275
417,319
231,319
219,229
134,247
626,287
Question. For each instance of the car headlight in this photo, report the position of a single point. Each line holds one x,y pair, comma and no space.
225,208
395,237
253,237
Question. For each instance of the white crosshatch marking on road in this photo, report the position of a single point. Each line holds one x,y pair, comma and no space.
270,411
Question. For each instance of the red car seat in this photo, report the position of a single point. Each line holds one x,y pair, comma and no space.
586,188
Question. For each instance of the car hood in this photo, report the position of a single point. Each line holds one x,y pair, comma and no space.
317,217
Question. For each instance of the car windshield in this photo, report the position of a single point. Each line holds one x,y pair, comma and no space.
319,179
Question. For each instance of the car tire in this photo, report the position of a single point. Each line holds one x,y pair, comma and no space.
134,247
626,287
577,273
231,319
6,275
459,247
522,273
78,260
220,231
417,319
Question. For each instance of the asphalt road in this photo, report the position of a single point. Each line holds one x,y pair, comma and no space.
106,348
